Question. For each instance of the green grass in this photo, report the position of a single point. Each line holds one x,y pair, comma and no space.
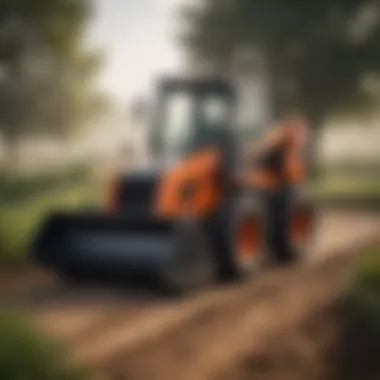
18,222
358,334
364,298
347,187
349,179
353,168
17,187
25,353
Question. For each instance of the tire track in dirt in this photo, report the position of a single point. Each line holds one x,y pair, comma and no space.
205,347
76,325
152,326
296,345
199,330
267,318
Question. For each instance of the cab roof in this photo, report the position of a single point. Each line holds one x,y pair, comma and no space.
209,84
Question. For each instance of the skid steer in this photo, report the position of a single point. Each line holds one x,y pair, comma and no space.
182,220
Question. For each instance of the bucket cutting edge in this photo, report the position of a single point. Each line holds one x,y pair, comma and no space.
103,241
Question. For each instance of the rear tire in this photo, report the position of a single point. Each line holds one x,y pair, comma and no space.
193,267
239,259
299,234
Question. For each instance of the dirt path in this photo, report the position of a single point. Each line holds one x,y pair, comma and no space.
215,343
264,329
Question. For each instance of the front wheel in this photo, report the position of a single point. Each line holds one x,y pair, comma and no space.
246,250
238,244
192,267
298,233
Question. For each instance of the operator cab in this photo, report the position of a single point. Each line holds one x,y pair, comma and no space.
202,112
192,114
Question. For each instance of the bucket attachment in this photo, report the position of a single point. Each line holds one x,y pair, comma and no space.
103,242
120,245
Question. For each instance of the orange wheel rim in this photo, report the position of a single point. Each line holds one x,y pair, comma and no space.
300,226
248,239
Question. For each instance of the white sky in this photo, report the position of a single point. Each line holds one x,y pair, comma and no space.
137,37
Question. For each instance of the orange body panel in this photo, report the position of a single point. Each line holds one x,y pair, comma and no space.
199,174
249,238
110,203
301,225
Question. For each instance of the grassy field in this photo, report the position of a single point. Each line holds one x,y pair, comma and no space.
367,286
347,187
349,179
17,187
18,222
27,353
361,321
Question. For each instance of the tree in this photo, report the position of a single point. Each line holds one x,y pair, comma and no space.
324,50
46,73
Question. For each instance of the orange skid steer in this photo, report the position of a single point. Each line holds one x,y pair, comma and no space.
182,220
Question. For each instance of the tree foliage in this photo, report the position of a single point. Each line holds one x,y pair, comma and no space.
328,50
46,72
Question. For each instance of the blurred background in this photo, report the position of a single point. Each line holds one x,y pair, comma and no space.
75,79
